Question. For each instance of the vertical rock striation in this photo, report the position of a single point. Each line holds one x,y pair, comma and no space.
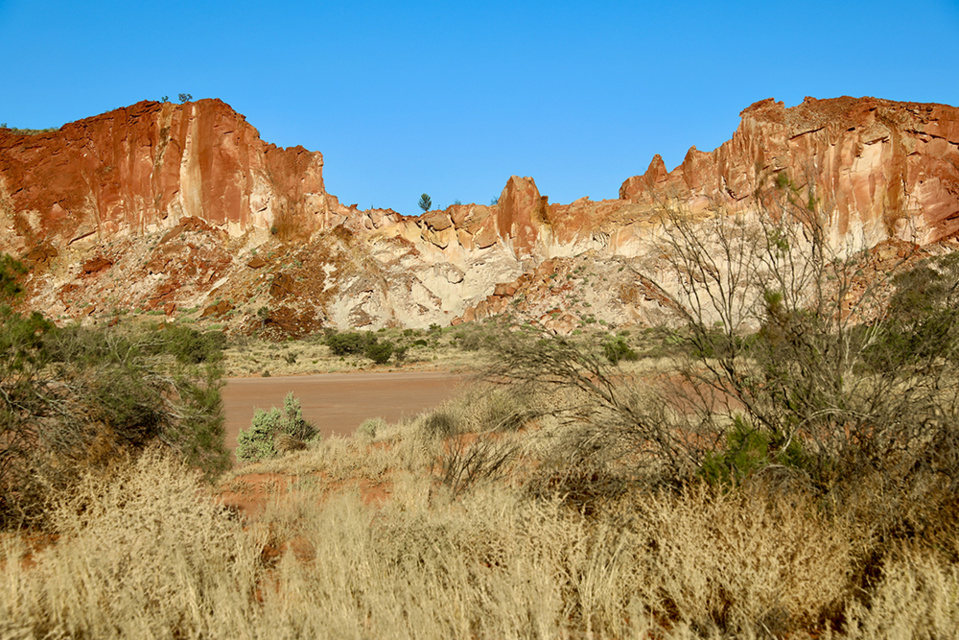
163,206
144,167
881,168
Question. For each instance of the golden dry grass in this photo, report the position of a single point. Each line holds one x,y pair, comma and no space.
147,552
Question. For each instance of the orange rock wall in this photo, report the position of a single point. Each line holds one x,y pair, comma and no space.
148,165
885,168
158,194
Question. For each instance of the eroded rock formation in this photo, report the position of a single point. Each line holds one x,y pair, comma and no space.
183,209
880,168
144,167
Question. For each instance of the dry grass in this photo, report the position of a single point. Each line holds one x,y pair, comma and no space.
917,596
142,554
147,552
252,357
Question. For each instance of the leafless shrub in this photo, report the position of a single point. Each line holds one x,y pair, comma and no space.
440,424
792,366
470,460
285,443
583,483
785,331
611,411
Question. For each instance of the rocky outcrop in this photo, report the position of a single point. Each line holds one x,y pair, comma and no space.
184,210
147,166
880,168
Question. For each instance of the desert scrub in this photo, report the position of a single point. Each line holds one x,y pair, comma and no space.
73,399
275,430
616,349
349,343
370,427
760,560
142,552
379,352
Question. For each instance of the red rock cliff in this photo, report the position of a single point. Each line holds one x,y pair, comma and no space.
881,167
149,165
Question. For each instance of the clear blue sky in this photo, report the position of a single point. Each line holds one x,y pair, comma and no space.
452,98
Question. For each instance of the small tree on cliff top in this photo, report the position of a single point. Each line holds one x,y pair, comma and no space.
425,202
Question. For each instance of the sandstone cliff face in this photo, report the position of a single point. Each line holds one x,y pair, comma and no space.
880,168
183,209
144,168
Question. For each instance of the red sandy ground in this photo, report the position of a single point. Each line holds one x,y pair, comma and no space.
338,402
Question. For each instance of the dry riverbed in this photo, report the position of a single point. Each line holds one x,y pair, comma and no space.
339,402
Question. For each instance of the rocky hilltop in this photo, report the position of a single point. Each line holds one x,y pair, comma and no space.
144,167
184,210
881,168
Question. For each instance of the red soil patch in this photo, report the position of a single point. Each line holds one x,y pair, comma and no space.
338,402
35,542
250,499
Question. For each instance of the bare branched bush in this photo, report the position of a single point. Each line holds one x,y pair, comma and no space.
801,358
613,413
788,335
466,462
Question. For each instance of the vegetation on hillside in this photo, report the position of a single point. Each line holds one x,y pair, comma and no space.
780,462
75,398
29,132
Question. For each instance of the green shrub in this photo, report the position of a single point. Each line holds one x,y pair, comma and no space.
921,323
190,346
369,428
256,443
748,450
470,339
76,398
379,352
343,344
294,424
616,349
351,343
10,273
259,441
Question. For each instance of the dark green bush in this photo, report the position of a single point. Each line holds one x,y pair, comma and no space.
616,349
367,344
10,273
379,352
749,450
190,346
343,344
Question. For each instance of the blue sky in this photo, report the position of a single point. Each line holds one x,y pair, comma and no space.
452,98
